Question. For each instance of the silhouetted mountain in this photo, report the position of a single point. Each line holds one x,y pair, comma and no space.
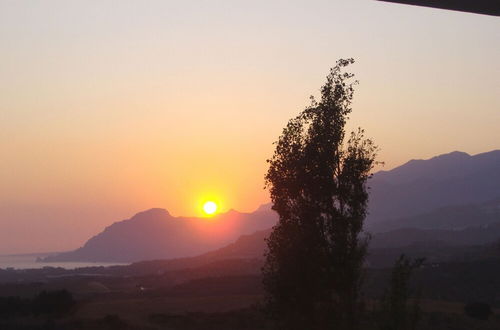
449,217
253,246
446,186
247,246
248,251
444,192
411,236
432,244
155,234
421,186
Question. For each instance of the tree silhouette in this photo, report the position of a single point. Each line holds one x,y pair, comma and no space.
55,303
478,310
396,313
317,181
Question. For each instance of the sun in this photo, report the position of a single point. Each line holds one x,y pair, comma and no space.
209,207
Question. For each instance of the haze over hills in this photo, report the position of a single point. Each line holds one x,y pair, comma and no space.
420,186
455,217
155,234
447,192
247,253
253,246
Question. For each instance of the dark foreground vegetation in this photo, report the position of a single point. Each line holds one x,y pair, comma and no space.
451,296
455,288
462,293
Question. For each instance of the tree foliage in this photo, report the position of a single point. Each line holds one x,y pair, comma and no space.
317,181
396,312
478,310
55,303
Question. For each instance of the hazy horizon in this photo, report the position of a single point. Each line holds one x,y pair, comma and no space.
111,108
29,264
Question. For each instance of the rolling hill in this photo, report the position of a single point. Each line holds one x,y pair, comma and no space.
420,186
155,234
447,192
454,217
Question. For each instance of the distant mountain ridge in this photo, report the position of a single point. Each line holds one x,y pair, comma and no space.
155,234
254,246
454,217
384,248
469,236
447,192
420,186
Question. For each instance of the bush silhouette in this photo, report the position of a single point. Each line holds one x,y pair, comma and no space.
478,310
56,303
13,307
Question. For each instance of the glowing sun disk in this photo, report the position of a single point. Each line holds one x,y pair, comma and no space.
209,207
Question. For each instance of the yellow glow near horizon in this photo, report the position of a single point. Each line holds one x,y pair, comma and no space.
176,127
210,208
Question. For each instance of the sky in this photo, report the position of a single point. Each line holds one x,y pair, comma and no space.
108,108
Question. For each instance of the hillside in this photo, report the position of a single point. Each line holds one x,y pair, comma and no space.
155,234
451,191
420,186
411,236
471,243
450,217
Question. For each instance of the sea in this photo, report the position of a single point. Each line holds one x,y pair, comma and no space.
29,261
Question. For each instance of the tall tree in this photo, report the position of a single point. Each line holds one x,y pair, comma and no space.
317,180
396,313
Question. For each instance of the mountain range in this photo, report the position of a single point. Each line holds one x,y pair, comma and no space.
420,186
454,217
429,198
155,234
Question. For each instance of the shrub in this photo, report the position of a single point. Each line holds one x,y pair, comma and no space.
478,310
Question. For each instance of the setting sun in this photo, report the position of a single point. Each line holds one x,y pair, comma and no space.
210,207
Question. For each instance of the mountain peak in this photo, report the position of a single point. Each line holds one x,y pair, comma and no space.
421,185
450,156
152,213
264,207
155,234
441,167
454,155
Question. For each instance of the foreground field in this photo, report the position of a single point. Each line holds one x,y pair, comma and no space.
217,313
228,295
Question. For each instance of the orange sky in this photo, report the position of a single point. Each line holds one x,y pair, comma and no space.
110,108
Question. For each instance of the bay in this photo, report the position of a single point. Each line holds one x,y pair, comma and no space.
29,261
